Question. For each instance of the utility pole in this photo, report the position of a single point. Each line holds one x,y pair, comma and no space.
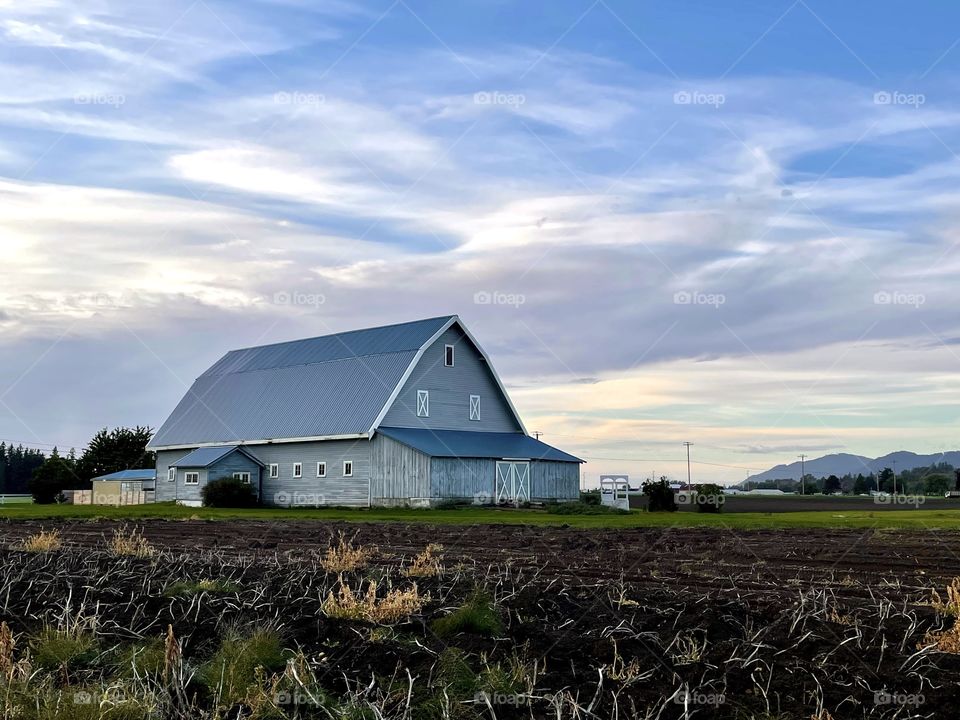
537,434
802,489
689,484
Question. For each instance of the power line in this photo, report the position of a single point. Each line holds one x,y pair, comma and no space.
660,460
36,443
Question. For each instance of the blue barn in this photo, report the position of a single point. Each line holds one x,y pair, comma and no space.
409,414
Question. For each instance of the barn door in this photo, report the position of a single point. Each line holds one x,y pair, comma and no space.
513,482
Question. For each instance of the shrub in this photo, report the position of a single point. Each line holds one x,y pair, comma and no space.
233,670
228,493
709,498
130,543
143,660
660,497
43,541
477,615
590,497
579,508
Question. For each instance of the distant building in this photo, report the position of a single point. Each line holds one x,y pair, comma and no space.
409,414
127,487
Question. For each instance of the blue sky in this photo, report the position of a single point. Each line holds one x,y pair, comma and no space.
730,223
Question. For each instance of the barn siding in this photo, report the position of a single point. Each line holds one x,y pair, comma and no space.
399,473
450,390
463,479
554,480
334,489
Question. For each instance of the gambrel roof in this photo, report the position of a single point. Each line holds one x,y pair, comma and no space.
332,387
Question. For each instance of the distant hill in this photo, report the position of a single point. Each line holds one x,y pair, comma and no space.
840,464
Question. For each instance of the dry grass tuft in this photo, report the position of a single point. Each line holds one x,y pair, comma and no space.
43,541
344,557
947,641
429,563
130,543
952,604
394,606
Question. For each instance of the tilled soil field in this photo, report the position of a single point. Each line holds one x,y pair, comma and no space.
550,622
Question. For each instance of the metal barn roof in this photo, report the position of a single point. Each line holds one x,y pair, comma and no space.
467,444
148,474
336,385
207,456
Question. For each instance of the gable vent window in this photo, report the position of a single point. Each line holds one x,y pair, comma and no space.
448,355
274,470
474,407
298,470
423,403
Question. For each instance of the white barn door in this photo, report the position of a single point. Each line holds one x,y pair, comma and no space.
513,482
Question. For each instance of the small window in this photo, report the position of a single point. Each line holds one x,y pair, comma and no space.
298,470
274,470
474,407
171,474
191,478
423,403
448,355
348,468
242,476
321,469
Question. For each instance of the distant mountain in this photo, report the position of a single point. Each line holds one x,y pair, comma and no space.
840,464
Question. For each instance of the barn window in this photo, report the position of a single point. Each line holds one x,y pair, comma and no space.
448,355
191,478
423,403
321,469
348,468
474,407
274,470
242,476
298,470
171,474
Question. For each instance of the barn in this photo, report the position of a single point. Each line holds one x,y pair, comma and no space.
410,414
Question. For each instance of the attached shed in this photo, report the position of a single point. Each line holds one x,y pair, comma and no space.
195,469
419,466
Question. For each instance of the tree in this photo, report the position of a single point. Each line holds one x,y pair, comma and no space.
50,479
885,482
709,498
115,450
659,496
936,484
863,485
831,485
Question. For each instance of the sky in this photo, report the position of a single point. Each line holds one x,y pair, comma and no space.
728,223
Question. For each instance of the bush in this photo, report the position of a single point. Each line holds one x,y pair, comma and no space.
228,493
660,497
581,508
233,670
477,615
58,650
591,497
709,498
